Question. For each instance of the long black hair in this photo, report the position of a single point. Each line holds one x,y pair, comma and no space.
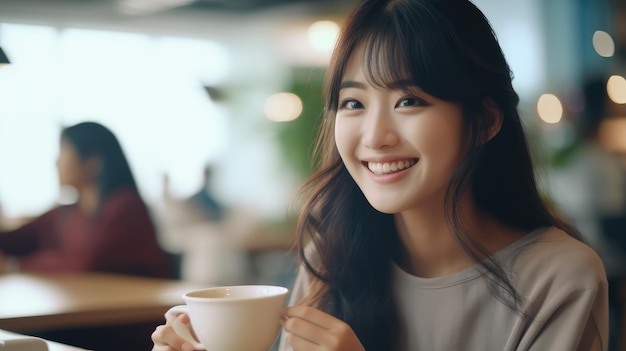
91,139
449,50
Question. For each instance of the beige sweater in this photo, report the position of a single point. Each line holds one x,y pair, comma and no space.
561,280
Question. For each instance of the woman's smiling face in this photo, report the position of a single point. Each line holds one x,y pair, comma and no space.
399,144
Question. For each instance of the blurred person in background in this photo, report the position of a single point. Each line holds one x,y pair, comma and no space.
204,201
108,228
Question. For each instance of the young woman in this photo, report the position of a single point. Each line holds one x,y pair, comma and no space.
423,228
108,229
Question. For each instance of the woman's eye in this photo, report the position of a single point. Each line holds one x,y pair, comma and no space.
350,105
410,101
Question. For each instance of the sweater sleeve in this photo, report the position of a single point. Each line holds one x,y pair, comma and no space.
121,239
576,324
29,237
569,300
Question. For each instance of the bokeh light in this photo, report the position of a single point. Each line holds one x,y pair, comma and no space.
616,89
603,43
323,35
549,108
283,107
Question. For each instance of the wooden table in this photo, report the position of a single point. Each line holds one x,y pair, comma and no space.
52,346
54,301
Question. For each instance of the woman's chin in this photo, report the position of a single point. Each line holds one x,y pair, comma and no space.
387,207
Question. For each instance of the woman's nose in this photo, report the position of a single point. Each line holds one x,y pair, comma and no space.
379,131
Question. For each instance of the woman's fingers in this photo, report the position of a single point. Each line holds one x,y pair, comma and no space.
304,328
166,339
312,315
311,329
300,344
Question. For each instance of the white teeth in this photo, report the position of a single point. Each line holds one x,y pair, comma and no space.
389,167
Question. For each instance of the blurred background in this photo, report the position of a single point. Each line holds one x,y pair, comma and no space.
218,99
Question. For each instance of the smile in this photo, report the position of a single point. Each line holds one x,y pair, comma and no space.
390,167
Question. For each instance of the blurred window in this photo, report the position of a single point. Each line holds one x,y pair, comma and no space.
148,90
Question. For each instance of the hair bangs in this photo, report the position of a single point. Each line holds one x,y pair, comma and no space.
424,53
385,63
407,44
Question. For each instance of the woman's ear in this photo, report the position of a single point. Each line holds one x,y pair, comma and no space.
494,117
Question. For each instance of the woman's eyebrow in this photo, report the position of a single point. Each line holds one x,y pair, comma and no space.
403,85
397,85
351,84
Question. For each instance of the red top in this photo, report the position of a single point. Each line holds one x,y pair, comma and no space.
121,238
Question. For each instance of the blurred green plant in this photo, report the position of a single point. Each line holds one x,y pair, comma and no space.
297,137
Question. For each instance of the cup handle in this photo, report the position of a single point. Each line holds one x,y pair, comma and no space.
182,329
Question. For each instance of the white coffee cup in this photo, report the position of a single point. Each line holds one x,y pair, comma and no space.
231,318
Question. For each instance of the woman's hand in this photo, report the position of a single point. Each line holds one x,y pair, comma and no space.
312,329
166,339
